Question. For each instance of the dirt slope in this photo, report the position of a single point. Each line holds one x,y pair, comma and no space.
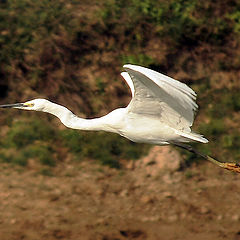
86,201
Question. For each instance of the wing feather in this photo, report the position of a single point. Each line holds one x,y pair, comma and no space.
128,80
160,96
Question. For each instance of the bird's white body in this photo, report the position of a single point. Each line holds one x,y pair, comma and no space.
161,110
144,129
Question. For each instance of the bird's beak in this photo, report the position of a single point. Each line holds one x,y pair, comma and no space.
16,105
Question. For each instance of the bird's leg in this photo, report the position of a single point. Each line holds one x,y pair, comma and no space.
235,167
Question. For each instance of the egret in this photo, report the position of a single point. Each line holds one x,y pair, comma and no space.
160,112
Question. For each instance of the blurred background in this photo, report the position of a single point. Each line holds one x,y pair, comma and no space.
71,52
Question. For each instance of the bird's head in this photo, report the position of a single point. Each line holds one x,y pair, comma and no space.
35,105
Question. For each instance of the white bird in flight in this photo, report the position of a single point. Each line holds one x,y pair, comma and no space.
161,112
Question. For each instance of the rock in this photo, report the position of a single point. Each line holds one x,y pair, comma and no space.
158,159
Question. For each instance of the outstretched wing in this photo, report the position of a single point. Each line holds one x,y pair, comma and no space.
160,96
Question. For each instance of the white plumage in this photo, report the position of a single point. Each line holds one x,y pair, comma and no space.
156,96
161,110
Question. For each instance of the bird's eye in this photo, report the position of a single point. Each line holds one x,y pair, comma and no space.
28,104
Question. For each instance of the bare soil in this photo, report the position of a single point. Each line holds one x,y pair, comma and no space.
147,200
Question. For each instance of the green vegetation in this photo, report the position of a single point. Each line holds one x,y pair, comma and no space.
71,52
29,139
107,148
184,23
24,23
36,139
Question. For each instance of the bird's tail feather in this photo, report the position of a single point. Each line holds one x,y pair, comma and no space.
191,136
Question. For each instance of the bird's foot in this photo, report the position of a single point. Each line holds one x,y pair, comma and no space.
234,167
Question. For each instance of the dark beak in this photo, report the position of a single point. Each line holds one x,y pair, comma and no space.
12,105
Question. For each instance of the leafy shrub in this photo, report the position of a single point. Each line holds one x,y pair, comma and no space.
23,133
36,139
234,16
186,22
26,22
107,148
27,139
44,153
214,128
225,102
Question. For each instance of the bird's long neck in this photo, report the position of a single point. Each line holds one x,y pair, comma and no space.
72,121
